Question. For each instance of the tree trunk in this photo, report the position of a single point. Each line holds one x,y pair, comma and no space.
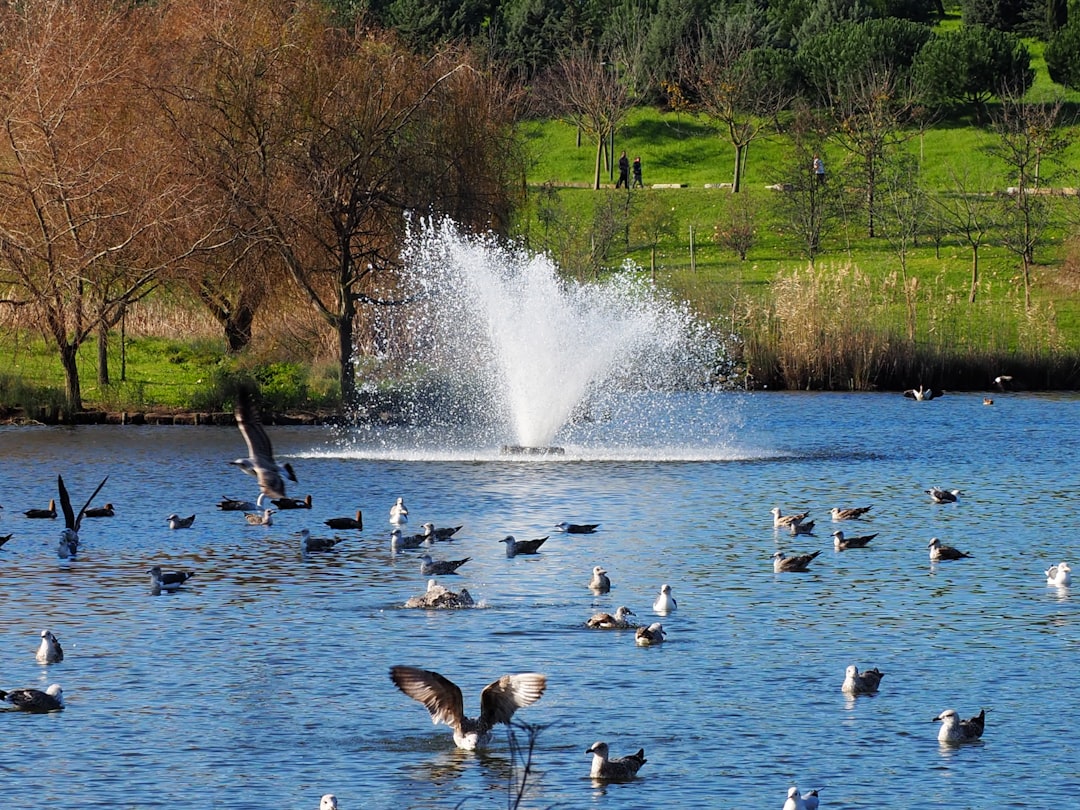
345,347
974,272
103,354
68,354
599,152
736,181
238,329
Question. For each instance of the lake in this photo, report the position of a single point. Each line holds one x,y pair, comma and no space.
263,682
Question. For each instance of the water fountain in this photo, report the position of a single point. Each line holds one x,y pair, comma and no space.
526,353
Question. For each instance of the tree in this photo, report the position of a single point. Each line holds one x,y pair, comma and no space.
84,216
1062,56
967,212
902,207
654,221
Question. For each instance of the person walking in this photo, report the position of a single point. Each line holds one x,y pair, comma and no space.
637,173
624,172
819,170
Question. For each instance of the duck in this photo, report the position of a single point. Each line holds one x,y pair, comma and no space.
842,543
605,621
399,513
292,503
515,547
429,566
782,521
499,701
260,458
851,513
346,522
43,514
599,582
264,518
665,602
940,552
101,511
799,563
861,683
168,580
650,636
1060,575
607,769
34,700
177,522
954,730
49,651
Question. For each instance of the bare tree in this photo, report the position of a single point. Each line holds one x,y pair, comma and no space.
967,211
902,213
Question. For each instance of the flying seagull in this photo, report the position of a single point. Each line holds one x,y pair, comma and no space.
443,699
260,459
69,537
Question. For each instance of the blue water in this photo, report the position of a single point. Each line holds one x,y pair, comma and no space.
263,683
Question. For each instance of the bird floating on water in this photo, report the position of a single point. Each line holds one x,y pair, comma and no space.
264,518
861,683
260,459
168,580
177,522
437,596
69,537
328,802
42,514
399,513
807,801
515,547
433,533
842,543
101,511
34,700
1060,575
234,505
799,563
939,495
428,566
49,651
399,541
781,521
309,543
346,522
801,528
650,636
665,602
293,503
499,701
599,582
605,621
954,730
851,513
921,394
577,528
940,552
611,770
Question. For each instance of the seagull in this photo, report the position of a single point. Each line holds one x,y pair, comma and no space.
605,621
437,596
309,543
293,503
599,582
853,513
439,534
399,513
921,394
614,769
101,511
577,528
515,547
801,528
34,700
42,514
940,552
844,543
260,459
412,541
49,651
168,581
443,699
429,566
233,505
328,802
786,521
808,801
346,522
1002,381
954,730
800,562
665,602
1059,574
177,522
266,518
651,635
69,537
939,495
861,683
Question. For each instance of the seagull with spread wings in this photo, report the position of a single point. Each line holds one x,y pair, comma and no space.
69,537
260,458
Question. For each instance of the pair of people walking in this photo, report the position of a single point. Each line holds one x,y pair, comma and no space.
624,172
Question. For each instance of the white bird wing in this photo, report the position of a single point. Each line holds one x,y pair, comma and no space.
441,696
501,698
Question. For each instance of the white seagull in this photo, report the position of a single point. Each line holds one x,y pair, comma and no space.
399,513
328,802
665,602
607,769
443,700
1059,574
787,521
939,495
861,683
69,537
177,522
599,582
954,730
49,651
260,458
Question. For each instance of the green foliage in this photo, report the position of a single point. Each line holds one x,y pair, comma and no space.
971,65
1004,15
283,385
1062,56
